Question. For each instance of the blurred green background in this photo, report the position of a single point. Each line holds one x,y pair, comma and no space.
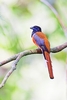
31,81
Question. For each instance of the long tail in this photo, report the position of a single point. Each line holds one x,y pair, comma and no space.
47,57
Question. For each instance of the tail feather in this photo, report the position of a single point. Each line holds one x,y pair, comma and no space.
47,57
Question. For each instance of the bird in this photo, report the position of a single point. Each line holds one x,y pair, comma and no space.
41,41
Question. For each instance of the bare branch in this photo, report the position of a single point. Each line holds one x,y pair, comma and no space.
36,51
10,71
6,77
59,48
18,56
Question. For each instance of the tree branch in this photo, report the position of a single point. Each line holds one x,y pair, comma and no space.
36,51
56,14
17,57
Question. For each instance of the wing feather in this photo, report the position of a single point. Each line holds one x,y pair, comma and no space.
41,40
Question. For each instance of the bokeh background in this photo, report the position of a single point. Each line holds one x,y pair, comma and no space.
31,81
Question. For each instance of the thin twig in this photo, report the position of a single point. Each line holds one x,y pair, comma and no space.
56,14
11,70
6,77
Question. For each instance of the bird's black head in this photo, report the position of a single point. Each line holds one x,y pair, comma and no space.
35,29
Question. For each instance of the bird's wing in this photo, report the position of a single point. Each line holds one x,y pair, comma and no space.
46,42
39,41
